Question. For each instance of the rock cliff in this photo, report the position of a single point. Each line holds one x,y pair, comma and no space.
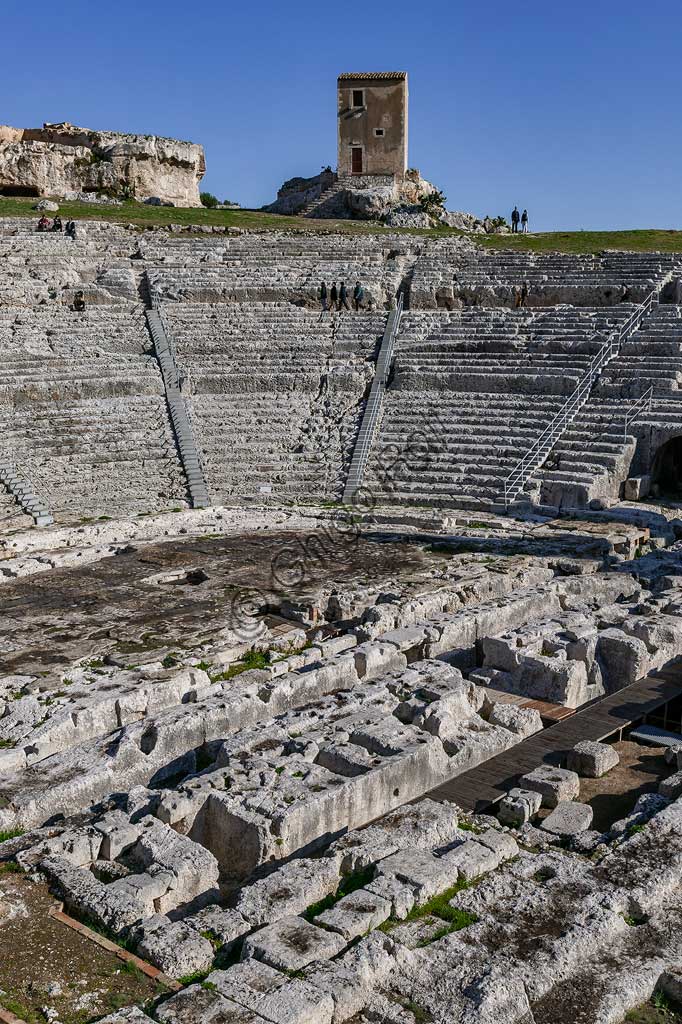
61,158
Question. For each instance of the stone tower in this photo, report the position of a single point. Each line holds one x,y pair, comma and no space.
372,117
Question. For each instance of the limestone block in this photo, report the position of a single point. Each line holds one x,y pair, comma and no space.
198,1005
519,806
356,914
646,806
223,925
130,1015
623,659
345,759
337,644
173,947
410,640
637,487
671,787
289,890
568,818
79,846
553,784
426,874
471,859
386,738
399,895
275,996
589,841
20,717
592,759
194,868
502,844
355,976
118,834
147,889
375,657
85,896
420,826
522,721
292,943
673,755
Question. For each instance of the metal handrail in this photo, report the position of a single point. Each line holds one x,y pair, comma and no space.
374,402
542,446
636,408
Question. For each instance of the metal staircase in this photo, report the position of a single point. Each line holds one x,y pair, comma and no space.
21,489
542,446
374,405
182,428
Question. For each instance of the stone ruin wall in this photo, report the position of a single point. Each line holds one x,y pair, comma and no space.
58,159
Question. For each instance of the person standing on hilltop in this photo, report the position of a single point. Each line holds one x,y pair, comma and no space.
524,222
343,297
515,220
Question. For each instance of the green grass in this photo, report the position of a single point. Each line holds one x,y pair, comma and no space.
351,883
12,833
191,979
151,216
130,967
10,867
646,240
438,906
659,1010
252,659
19,1009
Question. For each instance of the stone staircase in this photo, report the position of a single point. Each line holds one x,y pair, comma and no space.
330,202
184,436
593,457
471,392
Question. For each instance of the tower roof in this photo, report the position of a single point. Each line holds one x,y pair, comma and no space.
374,74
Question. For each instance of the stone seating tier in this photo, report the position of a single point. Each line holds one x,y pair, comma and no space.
97,457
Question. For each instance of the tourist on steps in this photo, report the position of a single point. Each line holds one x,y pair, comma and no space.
358,295
334,297
57,223
524,222
43,224
79,302
70,229
515,220
323,297
343,297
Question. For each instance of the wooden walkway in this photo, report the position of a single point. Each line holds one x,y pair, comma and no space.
480,787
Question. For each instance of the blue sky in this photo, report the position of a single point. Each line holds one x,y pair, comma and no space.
570,110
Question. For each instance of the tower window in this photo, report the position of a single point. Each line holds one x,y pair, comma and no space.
358,98
379,132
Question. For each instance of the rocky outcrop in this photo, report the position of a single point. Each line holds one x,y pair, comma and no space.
397,203
59,158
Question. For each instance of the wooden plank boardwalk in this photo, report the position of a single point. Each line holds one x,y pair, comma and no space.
484,785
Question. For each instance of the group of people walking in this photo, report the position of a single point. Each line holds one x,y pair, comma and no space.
517,218
56,225
337,298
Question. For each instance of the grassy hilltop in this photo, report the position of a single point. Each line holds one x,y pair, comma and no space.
146,216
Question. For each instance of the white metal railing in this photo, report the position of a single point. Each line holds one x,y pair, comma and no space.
543,445
637,407
370,416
